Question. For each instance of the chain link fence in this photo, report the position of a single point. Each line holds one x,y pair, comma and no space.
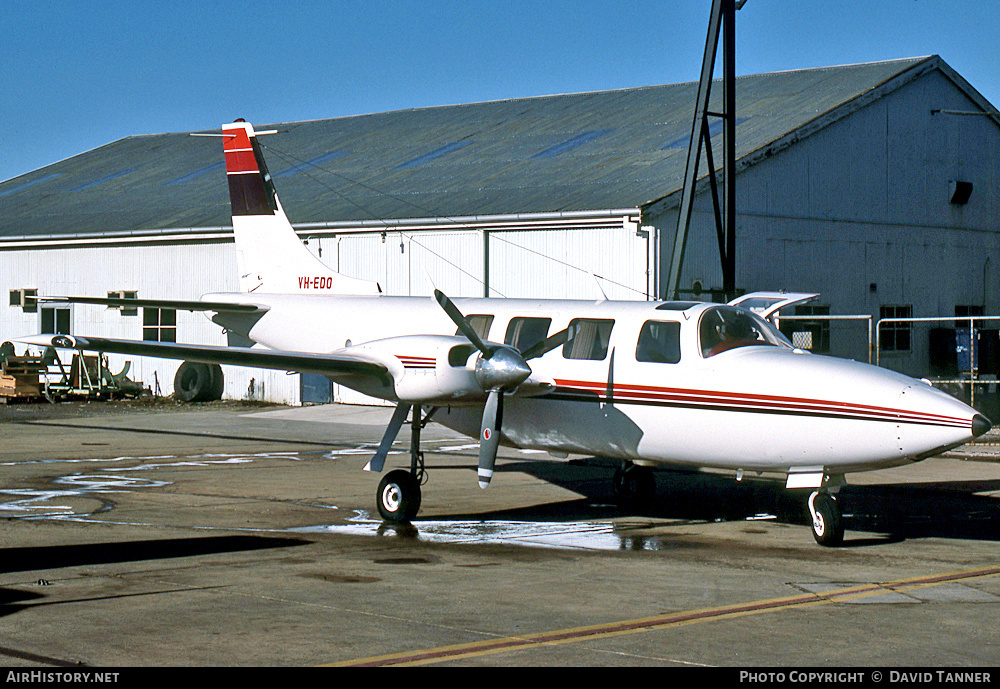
960,355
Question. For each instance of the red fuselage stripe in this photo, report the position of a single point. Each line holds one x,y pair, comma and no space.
416,361
756,402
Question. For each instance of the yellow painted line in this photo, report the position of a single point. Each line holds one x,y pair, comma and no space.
677,619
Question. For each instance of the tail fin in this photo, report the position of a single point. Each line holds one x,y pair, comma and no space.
271,257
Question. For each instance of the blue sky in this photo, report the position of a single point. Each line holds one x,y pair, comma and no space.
76,76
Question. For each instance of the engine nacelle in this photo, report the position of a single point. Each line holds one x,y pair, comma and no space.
428,368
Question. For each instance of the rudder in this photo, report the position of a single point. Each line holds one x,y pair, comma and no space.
271,257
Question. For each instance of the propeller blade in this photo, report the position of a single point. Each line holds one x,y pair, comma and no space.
547,345
489,439
463,325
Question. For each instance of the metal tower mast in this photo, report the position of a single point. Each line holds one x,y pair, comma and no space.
722,20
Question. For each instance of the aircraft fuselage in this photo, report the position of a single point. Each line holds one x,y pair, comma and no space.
758,407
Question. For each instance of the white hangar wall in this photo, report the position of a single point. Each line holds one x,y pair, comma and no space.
576,258
860,212
170,271
542,257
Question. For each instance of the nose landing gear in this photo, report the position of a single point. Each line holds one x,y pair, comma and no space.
827,522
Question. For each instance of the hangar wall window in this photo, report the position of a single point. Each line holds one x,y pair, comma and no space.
967,310
659,342
894,337
25,298
125,294
524,333
588,338
55,320
159,325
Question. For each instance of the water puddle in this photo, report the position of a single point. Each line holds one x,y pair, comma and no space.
73,496
580,535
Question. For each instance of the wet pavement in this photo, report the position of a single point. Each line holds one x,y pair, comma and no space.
246,535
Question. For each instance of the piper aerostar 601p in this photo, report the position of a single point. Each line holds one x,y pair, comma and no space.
646,383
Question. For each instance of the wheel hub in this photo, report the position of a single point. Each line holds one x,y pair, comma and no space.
392,497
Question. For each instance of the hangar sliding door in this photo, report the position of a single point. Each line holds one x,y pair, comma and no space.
562,263
401,261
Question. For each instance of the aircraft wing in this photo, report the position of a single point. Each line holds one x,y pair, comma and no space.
178,304
332,364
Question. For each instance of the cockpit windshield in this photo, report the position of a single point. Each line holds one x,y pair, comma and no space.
727,327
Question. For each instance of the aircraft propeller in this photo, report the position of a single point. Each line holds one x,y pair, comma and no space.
499,369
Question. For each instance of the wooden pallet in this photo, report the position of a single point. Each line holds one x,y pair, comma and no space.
19,379
20,386
23,365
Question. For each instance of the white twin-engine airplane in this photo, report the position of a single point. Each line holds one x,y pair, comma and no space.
646,383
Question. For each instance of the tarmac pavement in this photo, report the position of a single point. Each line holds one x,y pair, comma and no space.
232,535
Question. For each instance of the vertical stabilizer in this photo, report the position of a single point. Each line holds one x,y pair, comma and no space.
271,257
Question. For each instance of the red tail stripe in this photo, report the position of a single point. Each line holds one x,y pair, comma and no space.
235,139
241,161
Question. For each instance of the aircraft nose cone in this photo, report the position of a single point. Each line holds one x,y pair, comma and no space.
980,425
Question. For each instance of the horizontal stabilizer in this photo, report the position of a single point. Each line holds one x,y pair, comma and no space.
178,304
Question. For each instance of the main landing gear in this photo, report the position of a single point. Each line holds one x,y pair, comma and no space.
398,496
633,486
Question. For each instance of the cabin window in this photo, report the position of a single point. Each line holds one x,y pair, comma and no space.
725,327
525,333
480,324
159,325
659,342
588,338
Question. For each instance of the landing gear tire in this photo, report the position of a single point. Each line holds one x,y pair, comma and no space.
196,382
827,523
398,496
633,487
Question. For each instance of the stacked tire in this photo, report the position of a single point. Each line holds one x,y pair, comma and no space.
196,382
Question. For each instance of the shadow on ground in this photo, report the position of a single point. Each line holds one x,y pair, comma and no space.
887,513
26,559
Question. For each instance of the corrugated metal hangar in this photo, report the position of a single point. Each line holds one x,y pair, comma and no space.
875,185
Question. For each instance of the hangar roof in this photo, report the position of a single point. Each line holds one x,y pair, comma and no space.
617,149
